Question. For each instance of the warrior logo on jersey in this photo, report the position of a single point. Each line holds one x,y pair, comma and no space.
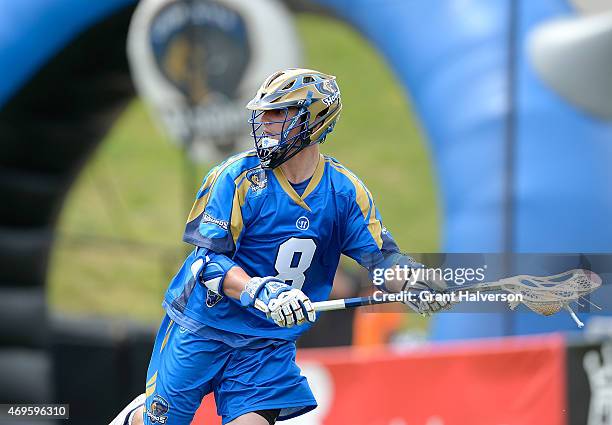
302,223
258,179
212,298
157,411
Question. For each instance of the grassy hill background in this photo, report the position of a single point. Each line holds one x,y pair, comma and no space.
119,240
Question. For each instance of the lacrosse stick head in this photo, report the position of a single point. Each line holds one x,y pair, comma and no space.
548,295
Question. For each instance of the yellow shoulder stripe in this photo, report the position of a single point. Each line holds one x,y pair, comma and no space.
236,223
200,203
365,202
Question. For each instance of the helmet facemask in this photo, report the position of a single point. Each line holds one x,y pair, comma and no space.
273,149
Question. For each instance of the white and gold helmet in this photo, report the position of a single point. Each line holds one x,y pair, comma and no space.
316,98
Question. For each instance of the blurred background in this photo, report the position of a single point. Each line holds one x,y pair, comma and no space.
480,126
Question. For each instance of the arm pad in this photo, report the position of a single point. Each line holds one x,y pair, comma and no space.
210,268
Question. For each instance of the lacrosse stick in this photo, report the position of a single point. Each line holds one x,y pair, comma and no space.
544,295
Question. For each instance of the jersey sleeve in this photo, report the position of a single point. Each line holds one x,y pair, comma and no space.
365,239
215,221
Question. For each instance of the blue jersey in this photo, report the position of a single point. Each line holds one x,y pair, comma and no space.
255,217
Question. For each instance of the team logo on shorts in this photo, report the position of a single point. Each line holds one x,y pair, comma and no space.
157,412
212,298
302,223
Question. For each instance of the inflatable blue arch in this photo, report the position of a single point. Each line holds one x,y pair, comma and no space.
520,169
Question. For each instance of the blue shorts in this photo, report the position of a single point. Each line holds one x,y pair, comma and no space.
185,367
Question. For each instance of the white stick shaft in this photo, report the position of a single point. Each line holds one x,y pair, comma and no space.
329,305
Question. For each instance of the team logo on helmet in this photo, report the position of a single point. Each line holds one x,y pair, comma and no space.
157,412
329,87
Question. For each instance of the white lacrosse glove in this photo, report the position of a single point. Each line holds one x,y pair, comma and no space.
285,305
427,305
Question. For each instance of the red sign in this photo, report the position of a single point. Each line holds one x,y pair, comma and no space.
515,381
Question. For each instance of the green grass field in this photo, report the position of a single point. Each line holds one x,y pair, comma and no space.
120,232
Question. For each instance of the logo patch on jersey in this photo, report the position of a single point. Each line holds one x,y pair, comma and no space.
258,179
157,412
302,223
207,218
212,298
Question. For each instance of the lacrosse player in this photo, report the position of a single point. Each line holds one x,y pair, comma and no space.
268,226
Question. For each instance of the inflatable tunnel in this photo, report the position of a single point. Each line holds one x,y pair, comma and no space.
521,166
